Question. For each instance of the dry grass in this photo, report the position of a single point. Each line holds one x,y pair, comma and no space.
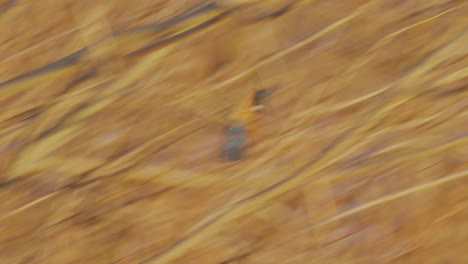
112,125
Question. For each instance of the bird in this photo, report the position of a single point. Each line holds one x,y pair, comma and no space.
241,124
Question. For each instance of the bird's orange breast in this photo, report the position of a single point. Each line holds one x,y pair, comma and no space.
243,113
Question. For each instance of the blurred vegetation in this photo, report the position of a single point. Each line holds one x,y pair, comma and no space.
113,117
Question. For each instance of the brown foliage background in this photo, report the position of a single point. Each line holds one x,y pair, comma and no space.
112,117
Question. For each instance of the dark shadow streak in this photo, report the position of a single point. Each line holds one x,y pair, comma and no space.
167,40
205,7
81,78
446,4
66,61
10,182
29,114
7,5
59,124
277,13
239,257
459,89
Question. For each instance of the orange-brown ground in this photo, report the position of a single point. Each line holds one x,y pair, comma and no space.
110,152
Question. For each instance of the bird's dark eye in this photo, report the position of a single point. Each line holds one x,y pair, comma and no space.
260,95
